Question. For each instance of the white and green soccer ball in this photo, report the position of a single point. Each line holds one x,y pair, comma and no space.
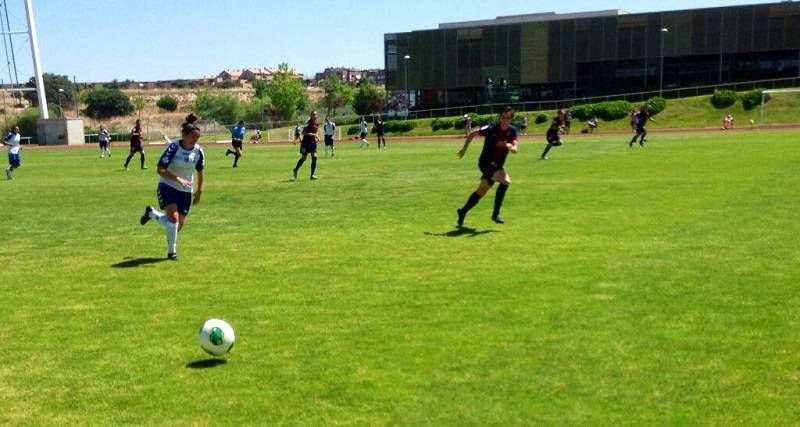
216,337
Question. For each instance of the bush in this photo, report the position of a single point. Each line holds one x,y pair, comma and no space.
656,104
353,130
723,98
541,118
400,126
229,84
167,103
442,124
26,122
103,103
608,111
459,122
752,99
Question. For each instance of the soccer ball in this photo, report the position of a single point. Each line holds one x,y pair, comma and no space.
752,121
216,337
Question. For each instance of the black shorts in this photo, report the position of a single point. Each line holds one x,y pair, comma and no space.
640,130
488,170
308,147
380,134
363,135
329,140
523,128
554,140
137,147
237,143
103,144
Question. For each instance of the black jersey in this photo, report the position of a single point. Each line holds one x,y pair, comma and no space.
494,145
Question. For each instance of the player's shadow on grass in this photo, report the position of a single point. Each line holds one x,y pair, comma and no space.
462,231
137,262
206,363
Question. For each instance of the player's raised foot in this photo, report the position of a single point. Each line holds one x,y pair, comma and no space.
227,153
461,215
146,217
498,219
173,257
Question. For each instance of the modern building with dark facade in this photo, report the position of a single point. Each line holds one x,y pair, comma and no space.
560,56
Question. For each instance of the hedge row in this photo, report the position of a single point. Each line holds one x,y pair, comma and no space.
394,126
725,98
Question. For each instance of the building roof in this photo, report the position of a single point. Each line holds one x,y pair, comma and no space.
531,17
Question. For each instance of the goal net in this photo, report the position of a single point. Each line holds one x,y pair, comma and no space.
779,107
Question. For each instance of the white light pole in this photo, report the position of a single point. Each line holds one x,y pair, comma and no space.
37,63
664,31
60,108
408,95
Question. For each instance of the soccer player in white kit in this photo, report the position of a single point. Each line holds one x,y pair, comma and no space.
177,167
330,130
363,130
14,159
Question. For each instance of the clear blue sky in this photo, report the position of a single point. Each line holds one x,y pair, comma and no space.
102,40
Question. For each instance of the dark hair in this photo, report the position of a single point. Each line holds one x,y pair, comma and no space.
189,125
507,109
241,122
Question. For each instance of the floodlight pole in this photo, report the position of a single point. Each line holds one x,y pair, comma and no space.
37,64
408,95
661,68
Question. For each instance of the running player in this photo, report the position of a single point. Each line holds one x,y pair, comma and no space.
309,146
14,160
500,138
237,138
641,122
105,139
330,134
553,135
523,126
362,130
380,130
256,138
176,168
136,145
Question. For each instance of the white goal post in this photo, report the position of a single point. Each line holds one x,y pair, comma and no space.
764,100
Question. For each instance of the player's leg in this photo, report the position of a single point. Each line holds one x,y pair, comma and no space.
128,160
300,162
504,180
314,164
141,158
546,150
473,199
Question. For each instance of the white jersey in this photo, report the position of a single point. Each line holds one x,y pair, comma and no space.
13,143
103,135
329,128
363,127
182,163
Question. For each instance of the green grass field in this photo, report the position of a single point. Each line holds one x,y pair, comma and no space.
628,286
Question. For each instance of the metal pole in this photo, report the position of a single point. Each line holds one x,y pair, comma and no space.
763,96
661,68
408,94
11,44
37,63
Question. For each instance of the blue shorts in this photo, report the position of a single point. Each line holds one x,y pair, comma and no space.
14,160
168,195
328,139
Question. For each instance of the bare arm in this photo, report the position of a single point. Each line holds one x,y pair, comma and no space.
166,174
513,145
469,139
199,191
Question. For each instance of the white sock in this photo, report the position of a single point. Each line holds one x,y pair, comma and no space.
158,216
102,152
171,230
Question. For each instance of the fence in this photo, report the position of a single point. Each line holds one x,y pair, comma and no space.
566,103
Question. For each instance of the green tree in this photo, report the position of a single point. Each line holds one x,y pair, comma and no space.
261,89
167,103
337,94
52,83
103,103
224,108
287,93
368,98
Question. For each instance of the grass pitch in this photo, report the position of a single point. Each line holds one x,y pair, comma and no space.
635,286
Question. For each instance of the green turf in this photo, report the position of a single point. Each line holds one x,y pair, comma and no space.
629,286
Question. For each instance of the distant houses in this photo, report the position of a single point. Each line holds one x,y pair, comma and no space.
353,75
